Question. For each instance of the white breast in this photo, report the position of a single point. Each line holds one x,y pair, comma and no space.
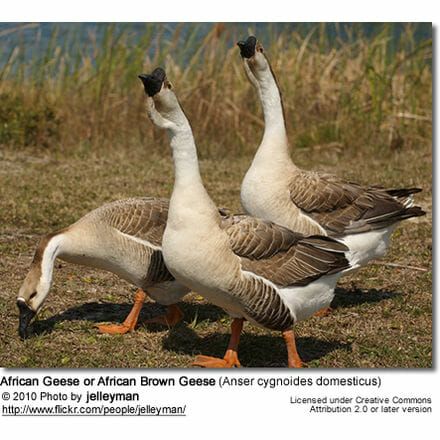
265,196
201,259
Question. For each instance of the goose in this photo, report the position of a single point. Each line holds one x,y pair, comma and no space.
123,237
275,189
254,269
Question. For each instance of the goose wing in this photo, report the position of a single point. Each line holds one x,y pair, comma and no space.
348,208
282,256
144,218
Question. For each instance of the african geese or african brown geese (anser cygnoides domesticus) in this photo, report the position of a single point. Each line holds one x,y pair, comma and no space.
254,269
123,237
362,217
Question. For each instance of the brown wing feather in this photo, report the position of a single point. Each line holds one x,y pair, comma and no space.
144,217
345,207
316,192
141,217
282,256
255,238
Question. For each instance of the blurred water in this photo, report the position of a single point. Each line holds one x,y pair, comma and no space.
38,37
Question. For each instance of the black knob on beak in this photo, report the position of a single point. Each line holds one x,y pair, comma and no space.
26,315
153,83
247,48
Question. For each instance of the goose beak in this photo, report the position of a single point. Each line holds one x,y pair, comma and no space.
26,315
153,82
247,48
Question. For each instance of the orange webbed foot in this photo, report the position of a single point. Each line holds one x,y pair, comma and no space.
113,329
130,321
229,361
298,363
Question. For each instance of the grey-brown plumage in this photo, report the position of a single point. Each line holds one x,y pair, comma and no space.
132,230
282,257
141,217
269,251
342,207
261,302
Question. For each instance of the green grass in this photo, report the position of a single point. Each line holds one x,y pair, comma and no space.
356,109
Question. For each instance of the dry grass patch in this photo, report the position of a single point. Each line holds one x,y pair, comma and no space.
382,315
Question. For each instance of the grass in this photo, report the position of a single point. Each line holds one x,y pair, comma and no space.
354,108
382,315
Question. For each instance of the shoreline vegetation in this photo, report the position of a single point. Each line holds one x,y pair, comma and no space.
72,91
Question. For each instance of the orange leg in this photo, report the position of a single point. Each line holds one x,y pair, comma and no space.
294,361
130,321
231,357
323,312
171,318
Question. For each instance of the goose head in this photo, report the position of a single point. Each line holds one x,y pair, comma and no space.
256,64
162,104
30,298
36,285
153,82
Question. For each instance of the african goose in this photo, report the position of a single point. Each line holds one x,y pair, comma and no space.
123,237
254,269
311,202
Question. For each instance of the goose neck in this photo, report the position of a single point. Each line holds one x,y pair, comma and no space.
53,248
188,190
185,158
274,144
270,97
